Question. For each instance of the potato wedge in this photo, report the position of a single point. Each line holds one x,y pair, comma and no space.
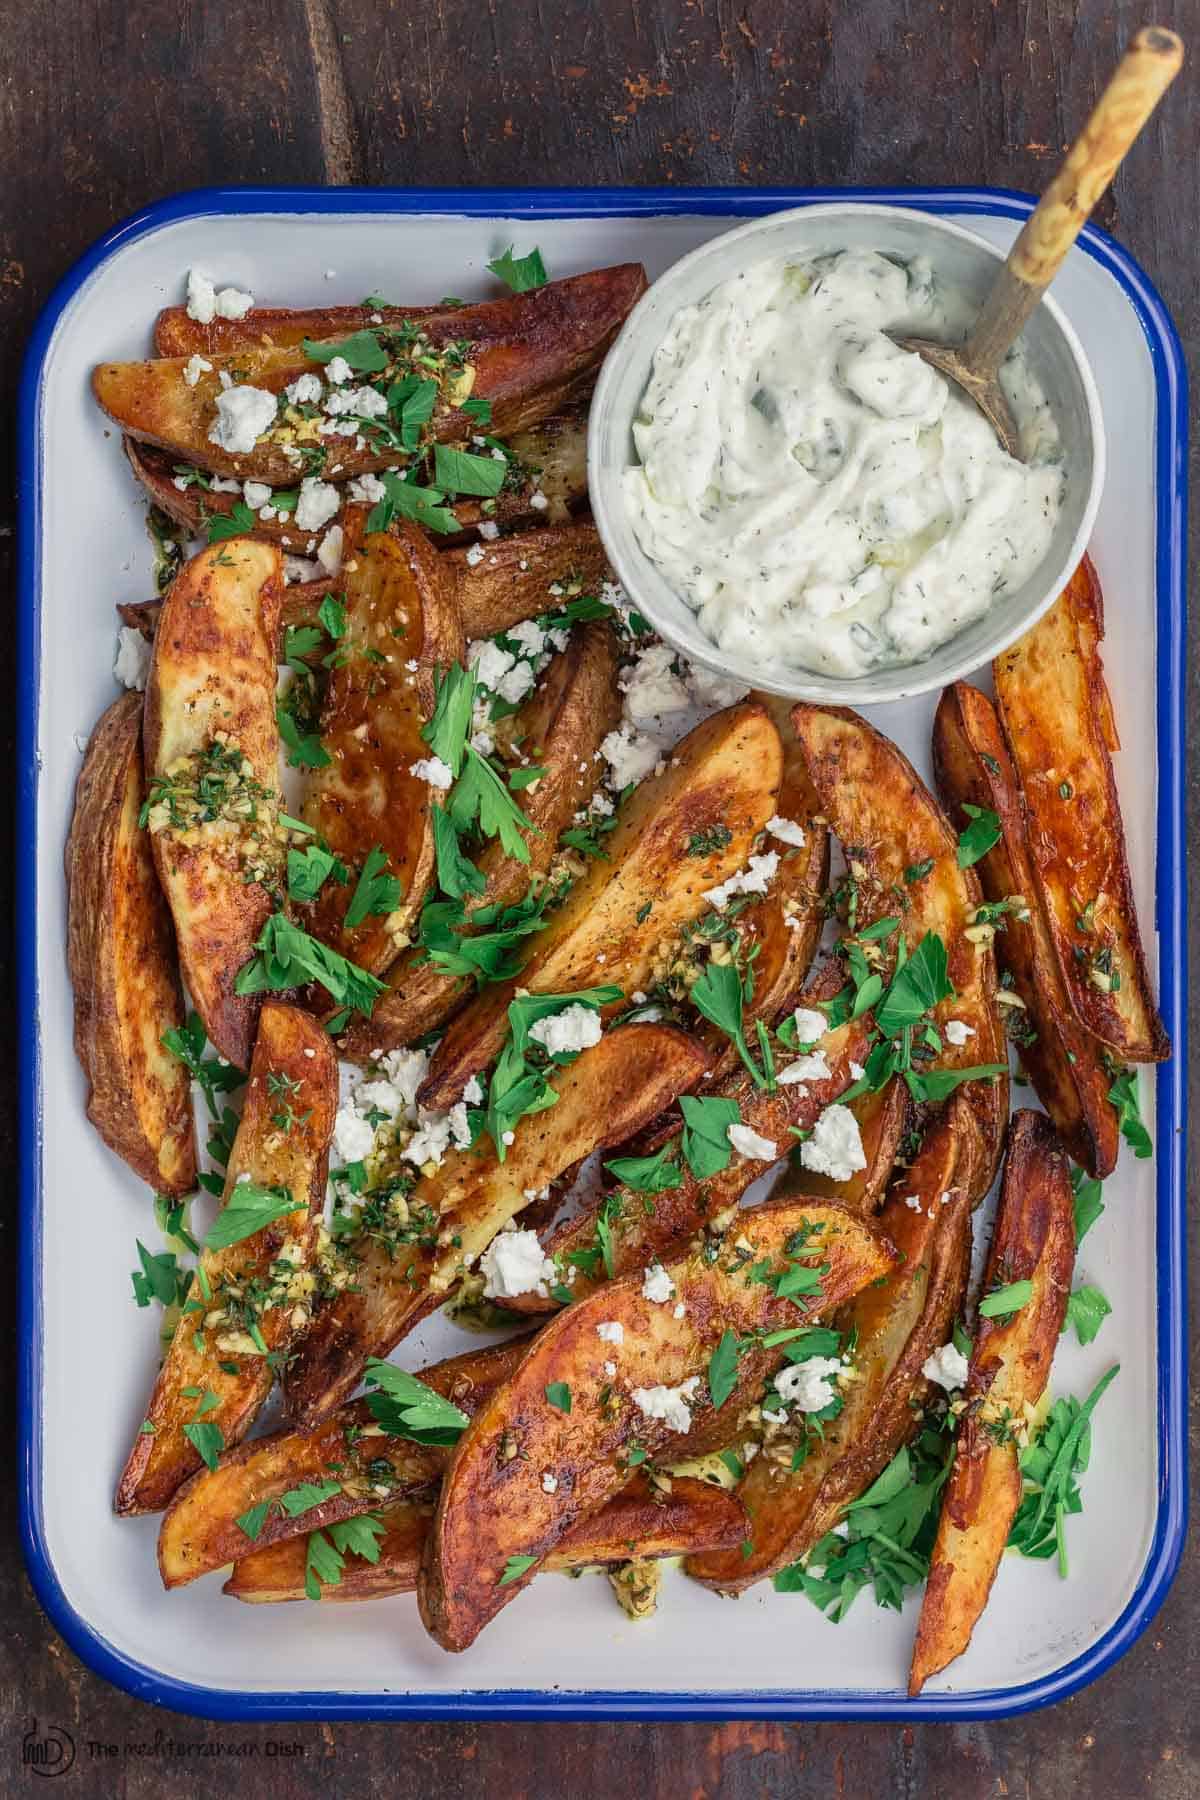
575,704
530,354
894,1327
551,452
210,744
216,1374
1064,1062
637,1068
513,579
200,1530
493,1507
725,773
1054,707
122,962
642,1521
1033,1240
891,826
883,1122
399,610
638,1237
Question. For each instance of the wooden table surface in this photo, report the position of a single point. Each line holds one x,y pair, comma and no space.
108,104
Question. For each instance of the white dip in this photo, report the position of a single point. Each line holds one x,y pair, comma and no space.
820,496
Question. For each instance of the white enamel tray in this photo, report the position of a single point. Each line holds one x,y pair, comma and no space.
89,1353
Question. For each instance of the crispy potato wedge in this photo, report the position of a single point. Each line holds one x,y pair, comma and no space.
531,353
214,1371
1056,715
638,1237
889,822
552,453
641,1522
883,1119
121,958
637,1068
724,773
493,1507
896,1326
399,609
1033,1240
211,744
575,704
200,1530
1064,1062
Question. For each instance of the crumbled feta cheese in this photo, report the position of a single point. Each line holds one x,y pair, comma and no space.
947,1366
460,1130
368,488
243,414
678,1310
352,1136
317,504
433,770
835,1147
431,1140
657,1284
224,484
748,1142
473,1092
306,390
856,1070
539,502
610,1369
913,1202
194,368
811,1025
514,686
256,494
362,402
204,303
786,830
337,370
755,878
667,1403
515,1263
806,1068
575,1028
549,1483
475,556
629,755
132,663
298,568
329,550
406,1069
957,1031
651,687
611,1331
529,634
490,662
809,1386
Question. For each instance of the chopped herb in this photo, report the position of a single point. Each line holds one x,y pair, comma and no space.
187,1042
520,273
648,1174
918,871
288,958
704,843
406,1408
235,523
207,1439
558,1394
309,869
706,1121
1124,1095
1088,1202
723,1368
377,893
302,1499
1087,1310
250,1523
718,996
248,1210
979,836
461,472
514,1568
1005,1300
362,351
1050,1467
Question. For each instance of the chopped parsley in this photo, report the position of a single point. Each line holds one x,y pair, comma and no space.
520,273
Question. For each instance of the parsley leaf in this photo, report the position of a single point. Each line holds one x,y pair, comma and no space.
304,748
450,727
480,795
520,273
332,615
456,873
1005,1300
916,987
938,1084
159,1278
1059,1453
1087,1310
979,836
250,1523
362,351
249,1208
1088,1202
718,996
406,1408
309,869
187,1042
207,1439
648,1174
377,893
1124,1095
514,1568
235,523
288,957
422,504
302,1499
460,472
723,1368
558,1394
706,1122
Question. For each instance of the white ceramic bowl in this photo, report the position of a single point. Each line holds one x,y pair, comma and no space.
961,260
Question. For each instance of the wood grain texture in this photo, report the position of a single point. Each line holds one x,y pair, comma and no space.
106,106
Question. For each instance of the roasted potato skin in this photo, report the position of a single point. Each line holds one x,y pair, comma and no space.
290,1044
888,822
212,678
1054,708
1063,1060
561,725
724,773
1034,1240
895,1326
200,1532
122,962
492,1506
638,1068
642,1521
532,354
398,606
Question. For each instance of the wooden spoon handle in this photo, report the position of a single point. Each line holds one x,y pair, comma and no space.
1141,78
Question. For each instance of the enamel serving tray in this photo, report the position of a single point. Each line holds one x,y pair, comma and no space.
88,1353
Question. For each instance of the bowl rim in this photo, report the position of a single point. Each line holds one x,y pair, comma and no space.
881,686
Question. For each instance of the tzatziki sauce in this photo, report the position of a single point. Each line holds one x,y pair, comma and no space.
819,496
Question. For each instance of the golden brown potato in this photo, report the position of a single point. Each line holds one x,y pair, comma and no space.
216,1373
890,824
638,1069
574,706
643,1521
212,773
1034,1241
568,1417
550,453
726,774
530,354
1064,1062
200,1530
1056,715
122,962
894,1328
399,610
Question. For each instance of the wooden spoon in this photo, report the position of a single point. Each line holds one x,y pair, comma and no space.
1141,78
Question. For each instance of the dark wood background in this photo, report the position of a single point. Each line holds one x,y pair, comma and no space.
108,104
